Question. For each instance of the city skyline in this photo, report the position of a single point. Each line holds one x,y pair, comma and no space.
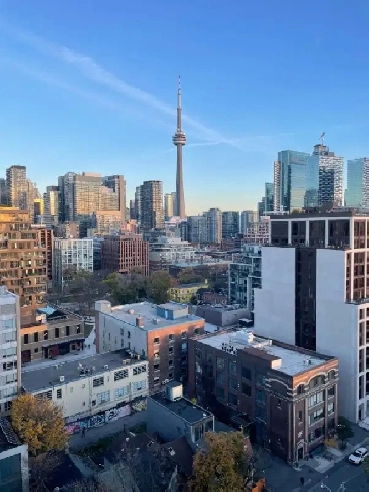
76,105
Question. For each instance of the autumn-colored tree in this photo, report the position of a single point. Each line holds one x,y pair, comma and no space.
39,423
223,465
158,285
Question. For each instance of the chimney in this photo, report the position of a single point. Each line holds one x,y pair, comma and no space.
139,321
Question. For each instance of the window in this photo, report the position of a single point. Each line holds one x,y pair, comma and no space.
300,389
47,395
233,366
35,337
128,334
233,383
246,389
99,381
330,408
184,346
197,331
170,363
156,367
25,339
232,399
170,350
103,397
171,337
139,385
300,416
220,377
122,332
36,350
260,379
59,393
184,334
8,324
78,329
93,403
67,331
260,396
71,389
156,355
316,399
156,341
57,333
315,416
46,335
318,380
170,376
10,336
121,392
220,363
279,403
156,380
331,391
219,392
331,375
138,369
119,375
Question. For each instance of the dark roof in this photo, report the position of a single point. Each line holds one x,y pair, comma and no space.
8,438
183,408
180,452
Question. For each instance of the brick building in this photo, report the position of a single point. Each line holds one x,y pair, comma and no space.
125,253
287,395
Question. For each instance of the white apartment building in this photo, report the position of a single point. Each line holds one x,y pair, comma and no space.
72,253
169,250
244,276
213,225
94,384
10,348
258,232
315,294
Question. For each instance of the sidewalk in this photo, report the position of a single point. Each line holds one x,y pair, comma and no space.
96,433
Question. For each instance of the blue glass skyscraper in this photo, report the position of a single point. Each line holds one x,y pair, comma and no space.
357,192
289,180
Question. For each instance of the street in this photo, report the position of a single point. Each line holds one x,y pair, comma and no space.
353,477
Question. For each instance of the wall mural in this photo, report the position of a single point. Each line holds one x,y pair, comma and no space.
98,420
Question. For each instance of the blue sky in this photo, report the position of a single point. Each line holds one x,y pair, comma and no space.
91,86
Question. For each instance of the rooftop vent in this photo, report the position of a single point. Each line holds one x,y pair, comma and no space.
62,379
171,451
106,367
139,321
131,311
174,392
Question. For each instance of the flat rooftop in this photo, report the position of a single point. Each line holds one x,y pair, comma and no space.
317,214
73,370
292,361
183,408
151,320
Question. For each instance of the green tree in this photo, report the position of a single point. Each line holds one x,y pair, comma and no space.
224,464
126,289
39,423
158,285
344,430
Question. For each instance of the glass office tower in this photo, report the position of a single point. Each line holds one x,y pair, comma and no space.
324,178
289,180
357,192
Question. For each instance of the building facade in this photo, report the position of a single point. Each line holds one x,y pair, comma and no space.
290,181
10,347
245,276
23,260
213,226
167,251
14,471
157,333
324,178
289,395
51,206
357,192
269,197
257,232
55,332
315,289
101,382
230,224
152,210
168,206
125,253
247,217
76,254
197,229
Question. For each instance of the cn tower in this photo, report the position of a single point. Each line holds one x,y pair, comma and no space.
179,140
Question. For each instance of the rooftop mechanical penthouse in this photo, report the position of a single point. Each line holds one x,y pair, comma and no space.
287,395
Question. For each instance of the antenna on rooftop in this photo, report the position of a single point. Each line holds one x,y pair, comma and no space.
321,138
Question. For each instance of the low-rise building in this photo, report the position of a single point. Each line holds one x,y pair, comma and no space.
289,395
157,333
54,332
169,250
173,416
185,292
14,474
90,385
214,298
221,315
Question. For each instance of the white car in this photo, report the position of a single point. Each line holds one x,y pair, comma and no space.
358,456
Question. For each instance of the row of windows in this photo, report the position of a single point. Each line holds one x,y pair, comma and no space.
39,336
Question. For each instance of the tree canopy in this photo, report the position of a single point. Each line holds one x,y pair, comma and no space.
126,289
189,276
344,430
158,285
38,423
223,466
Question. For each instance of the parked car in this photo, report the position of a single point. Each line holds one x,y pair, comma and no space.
358,456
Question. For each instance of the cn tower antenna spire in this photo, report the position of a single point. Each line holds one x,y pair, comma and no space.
179,140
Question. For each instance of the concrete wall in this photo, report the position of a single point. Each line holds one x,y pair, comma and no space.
221,317
167,424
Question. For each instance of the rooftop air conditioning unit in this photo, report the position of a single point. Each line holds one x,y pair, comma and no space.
62,379
106,367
